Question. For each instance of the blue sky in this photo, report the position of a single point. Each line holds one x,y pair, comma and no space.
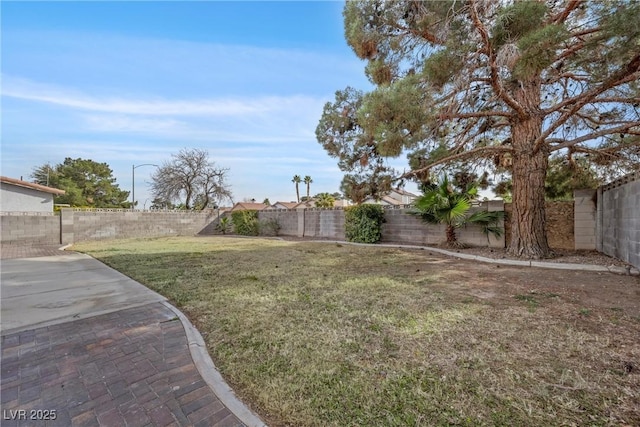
133,82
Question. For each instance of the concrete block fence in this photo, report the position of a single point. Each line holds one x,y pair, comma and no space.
607,220
30,229
82,225
76,225
618,219
402,227
399,227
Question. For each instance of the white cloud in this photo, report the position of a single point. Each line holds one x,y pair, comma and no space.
125,101
119,123
21,88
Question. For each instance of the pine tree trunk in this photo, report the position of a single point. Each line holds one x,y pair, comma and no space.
529,170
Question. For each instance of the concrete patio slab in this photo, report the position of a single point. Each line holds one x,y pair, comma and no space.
48,290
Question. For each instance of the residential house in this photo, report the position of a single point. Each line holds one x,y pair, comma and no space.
395,197
305,204
22,196
243,206
384,200
283,205
341,203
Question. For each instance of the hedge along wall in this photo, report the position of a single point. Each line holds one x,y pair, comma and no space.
560,224
100,224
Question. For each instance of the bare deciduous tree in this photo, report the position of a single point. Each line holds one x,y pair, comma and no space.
192,179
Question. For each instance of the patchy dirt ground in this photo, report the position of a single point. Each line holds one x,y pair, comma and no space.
590,290
586,290
560,256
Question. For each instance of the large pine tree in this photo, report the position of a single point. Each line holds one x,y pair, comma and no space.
86,183
494,81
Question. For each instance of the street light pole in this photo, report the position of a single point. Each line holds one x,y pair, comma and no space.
133,183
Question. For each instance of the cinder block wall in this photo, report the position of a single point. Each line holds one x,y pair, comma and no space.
288,220
559,224
80,226
584,230
75,226
30,229
618,219
400,226
325,223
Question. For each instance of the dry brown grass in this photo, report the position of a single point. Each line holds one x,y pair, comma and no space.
324,334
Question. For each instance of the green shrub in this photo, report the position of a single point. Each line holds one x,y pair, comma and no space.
363,223
245,223
224,225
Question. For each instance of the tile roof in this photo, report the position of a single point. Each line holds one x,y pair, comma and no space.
403,192
288,205
241,206
31,185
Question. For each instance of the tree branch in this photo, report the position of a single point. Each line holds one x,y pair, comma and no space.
459,156
594,135
477,114
570,50
495,79
562,16
580,101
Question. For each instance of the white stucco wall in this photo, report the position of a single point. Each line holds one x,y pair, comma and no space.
14,198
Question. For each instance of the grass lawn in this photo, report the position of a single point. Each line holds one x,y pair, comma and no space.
318,334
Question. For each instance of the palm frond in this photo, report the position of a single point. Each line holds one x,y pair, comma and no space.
488,221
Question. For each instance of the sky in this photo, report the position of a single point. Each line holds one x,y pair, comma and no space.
131,83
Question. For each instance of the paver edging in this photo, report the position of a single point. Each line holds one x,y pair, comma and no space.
210,374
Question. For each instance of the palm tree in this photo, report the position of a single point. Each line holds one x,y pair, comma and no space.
308,181
442,204
325,200
297,180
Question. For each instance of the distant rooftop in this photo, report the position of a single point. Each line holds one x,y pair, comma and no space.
31,185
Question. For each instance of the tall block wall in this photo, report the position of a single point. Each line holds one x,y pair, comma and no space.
400,226
584,230
287,219
30,229
618,219
559,224
77,226
325,223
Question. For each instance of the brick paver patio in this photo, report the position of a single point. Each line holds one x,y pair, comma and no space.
127,368
18,251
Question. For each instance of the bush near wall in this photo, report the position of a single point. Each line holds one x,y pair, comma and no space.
363,223
246,222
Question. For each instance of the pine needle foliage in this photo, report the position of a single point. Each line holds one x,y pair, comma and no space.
500,84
